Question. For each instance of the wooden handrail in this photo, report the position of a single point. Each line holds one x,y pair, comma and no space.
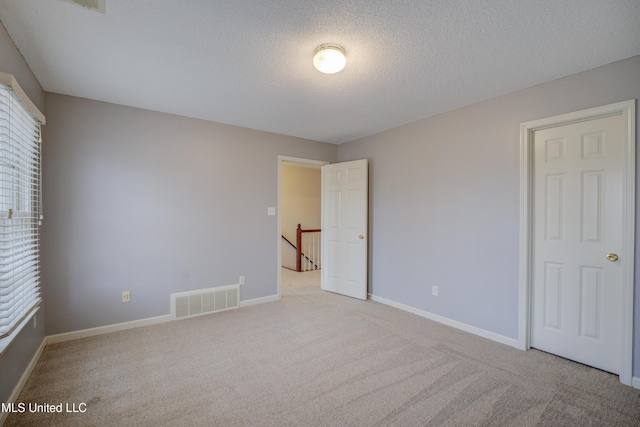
299,253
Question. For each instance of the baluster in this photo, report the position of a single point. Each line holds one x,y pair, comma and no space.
310,245
320,248
313,246
305,247
305,253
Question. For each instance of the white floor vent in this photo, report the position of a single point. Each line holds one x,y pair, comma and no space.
205,301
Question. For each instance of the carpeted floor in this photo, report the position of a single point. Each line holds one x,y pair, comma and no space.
316,359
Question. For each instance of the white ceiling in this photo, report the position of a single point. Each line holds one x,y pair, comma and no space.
248,62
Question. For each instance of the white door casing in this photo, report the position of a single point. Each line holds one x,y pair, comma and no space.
344,228
577,206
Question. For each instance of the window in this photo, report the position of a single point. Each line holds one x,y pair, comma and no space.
20,208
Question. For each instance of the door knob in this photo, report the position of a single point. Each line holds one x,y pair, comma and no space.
361,236
612,257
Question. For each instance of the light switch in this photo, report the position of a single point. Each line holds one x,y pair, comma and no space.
271,211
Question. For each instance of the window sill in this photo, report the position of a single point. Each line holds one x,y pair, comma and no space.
6,341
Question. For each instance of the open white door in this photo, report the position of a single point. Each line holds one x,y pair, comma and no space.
344,228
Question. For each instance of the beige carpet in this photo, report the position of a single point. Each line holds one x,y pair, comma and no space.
316,359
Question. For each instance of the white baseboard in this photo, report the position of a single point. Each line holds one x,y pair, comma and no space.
67,336
453,323
52,339
635,382
262,300
23,380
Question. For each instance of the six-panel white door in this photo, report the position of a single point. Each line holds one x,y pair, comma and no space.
578,220
344,228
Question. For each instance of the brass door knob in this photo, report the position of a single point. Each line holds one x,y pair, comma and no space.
361,236
612,257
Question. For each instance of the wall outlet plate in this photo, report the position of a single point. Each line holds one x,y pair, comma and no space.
126,296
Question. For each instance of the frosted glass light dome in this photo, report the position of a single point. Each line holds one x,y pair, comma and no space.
329,58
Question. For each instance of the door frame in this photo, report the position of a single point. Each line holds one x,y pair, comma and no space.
627,110
295,161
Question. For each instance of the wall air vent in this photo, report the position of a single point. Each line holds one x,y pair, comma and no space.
205,301
97,5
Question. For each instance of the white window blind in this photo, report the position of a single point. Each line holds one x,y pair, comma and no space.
20,206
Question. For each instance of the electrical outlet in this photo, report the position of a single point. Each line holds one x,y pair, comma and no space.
126,296
434,291
242,280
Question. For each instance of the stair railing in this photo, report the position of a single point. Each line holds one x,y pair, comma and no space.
308,255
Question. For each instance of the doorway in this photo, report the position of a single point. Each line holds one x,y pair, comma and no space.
577,236
287,222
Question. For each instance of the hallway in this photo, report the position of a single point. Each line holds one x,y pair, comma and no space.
294,283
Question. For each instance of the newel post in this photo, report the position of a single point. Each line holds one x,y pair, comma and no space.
299,249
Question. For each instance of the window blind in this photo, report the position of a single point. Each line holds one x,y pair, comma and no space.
20,207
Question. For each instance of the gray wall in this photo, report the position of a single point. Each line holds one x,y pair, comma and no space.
18,355
154,204
444,206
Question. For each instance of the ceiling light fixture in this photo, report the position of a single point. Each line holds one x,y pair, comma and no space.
329,58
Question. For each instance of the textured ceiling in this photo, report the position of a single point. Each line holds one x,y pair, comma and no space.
248,62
